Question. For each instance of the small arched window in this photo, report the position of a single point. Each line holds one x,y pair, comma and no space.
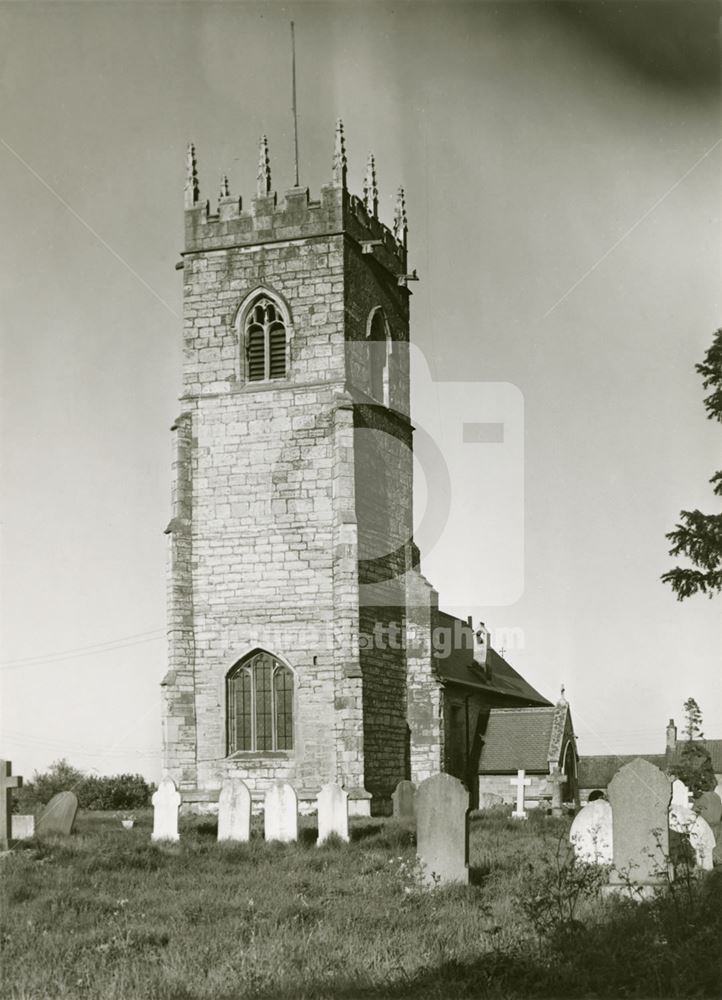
259,701
378,356
265,336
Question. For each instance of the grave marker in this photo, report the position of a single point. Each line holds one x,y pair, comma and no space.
639,794
166,802
58,816
442,843
280,812
332,812
591,833
234,810
23,826
521,782
404,800
8,781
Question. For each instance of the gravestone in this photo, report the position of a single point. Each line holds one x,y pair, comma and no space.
639,794
442,843
709,806
8,781
332,804
404,800
591,833
521,782
489,800
280,812
234,810
683,819
166,802
58,816
681,795
23,826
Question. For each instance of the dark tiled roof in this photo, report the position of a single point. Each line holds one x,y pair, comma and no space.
597,772
715,751
459,667
517,738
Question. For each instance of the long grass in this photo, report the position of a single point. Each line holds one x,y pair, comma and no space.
108,914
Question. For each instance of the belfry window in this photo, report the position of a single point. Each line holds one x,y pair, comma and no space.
378,356
259,701
265,341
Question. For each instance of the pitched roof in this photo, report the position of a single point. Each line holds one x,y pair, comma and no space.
714,748
522,738
598,771
460,667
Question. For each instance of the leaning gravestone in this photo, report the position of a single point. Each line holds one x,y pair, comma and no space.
442,843
332,812
639,794
234,810
58,816
404,800
166,802
591,833
280,812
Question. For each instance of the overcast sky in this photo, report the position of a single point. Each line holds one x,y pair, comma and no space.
562,168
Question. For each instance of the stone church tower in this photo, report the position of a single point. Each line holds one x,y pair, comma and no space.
293,578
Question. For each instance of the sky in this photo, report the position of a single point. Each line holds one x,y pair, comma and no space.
562,171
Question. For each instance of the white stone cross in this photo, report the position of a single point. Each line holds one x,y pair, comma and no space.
520,781
8,781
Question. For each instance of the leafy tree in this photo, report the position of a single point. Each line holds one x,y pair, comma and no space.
698,536
60,777
692,720
694,768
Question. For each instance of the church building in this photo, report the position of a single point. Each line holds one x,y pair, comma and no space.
304,642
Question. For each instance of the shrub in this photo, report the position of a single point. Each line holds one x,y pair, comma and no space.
120,791
694,768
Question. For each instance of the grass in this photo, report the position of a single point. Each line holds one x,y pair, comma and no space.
108,915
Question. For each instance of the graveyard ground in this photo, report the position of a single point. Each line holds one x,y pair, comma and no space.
106,914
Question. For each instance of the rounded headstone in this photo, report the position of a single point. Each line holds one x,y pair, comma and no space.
591,833
234,810
442,803
58,816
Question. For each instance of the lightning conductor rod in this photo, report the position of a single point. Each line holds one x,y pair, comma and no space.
295,114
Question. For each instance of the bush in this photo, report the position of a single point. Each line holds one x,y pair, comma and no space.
120,791
694,768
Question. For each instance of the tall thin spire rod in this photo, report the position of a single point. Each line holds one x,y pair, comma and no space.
295,115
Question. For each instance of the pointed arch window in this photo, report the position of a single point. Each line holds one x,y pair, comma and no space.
265,337
259,701
377,337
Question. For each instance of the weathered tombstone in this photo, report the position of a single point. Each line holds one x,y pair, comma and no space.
489,800
280,812
234,810
681,795
521,782
58,816
442,843
683,819
23,826
709,806
591,833
8,781
404,800
332,804
166,802
639,794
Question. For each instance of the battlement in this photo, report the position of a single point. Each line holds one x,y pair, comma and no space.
297,216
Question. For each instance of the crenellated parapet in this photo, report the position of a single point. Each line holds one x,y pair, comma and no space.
296,215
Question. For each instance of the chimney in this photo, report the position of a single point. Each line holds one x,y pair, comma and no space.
671,737
482,642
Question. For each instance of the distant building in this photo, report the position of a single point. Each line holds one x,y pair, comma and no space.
538,740
595,772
